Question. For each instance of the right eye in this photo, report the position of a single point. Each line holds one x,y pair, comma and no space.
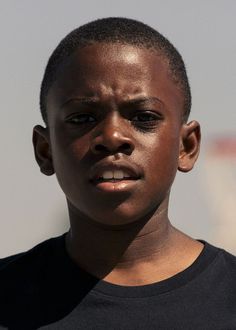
81,119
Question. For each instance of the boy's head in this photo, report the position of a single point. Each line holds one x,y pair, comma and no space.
116,104
120,31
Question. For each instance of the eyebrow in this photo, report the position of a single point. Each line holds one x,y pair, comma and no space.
95,101
139,100
81,100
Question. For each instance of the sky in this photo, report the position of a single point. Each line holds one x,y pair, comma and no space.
33,208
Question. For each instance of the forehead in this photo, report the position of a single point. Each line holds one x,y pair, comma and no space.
115,71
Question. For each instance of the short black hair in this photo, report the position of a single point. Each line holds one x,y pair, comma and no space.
116,30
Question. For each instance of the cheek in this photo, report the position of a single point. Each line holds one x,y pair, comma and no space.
161,160
68,150
68,160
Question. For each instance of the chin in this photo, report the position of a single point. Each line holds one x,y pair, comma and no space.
121,216
116,215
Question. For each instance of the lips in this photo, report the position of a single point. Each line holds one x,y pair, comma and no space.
114,171
114,174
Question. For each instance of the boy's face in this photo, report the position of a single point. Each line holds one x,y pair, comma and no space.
114,110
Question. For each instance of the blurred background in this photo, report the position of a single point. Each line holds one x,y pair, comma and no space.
203,202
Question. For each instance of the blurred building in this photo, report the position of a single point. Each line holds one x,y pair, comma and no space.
220,189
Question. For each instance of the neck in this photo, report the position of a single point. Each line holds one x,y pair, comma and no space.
114,253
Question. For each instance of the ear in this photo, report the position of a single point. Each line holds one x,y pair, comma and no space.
189,146
42,149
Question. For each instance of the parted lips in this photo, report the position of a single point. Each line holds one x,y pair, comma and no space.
114,170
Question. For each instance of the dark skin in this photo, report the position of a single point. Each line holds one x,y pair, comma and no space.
118,103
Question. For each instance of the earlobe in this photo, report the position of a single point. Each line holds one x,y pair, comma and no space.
42,150
189,146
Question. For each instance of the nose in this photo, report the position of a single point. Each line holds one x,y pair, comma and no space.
112,137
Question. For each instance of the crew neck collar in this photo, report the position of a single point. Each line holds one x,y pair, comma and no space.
202,262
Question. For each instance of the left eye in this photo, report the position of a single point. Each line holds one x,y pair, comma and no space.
81,119
144,117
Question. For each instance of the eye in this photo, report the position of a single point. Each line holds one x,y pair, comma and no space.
145,116
146,120
81,119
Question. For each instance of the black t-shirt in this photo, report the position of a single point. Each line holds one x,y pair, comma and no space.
44,289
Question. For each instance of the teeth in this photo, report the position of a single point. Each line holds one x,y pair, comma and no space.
116,174
107,175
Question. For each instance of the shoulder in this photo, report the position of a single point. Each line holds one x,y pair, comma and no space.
22,271
33,255
220,268
24,280
228,262
223,258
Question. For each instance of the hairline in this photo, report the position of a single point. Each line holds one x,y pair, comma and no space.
158,51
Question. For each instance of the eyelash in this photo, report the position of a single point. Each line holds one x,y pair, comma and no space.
149,123
70,119
147,114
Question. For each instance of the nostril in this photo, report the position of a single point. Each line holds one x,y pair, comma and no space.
100,147
126,146
112,147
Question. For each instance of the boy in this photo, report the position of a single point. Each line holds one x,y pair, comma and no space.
115,100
